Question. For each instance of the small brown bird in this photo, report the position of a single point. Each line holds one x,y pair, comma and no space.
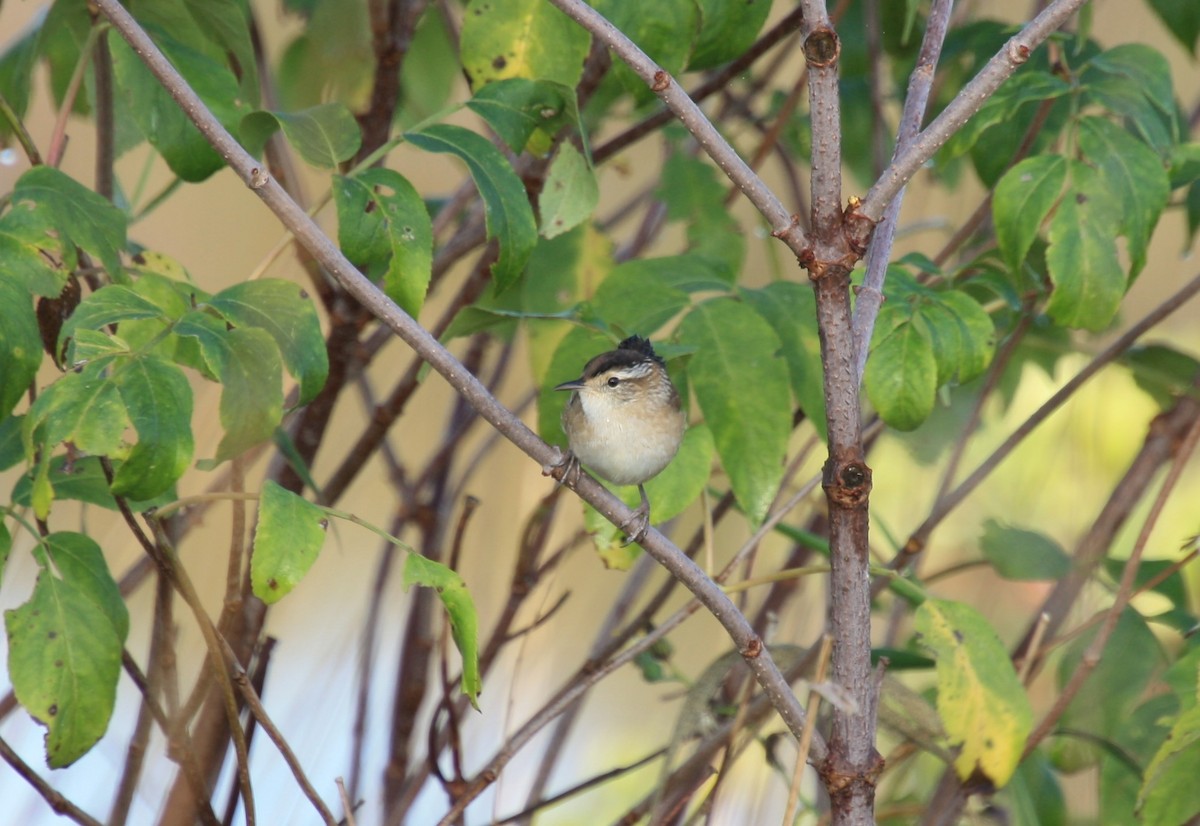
624,421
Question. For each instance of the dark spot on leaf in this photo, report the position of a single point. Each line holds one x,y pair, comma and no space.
499,63
958,635
369,208
1080,198
139,259
58,663
52,635
53,709
272,584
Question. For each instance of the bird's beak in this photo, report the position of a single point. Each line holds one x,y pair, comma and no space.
573,384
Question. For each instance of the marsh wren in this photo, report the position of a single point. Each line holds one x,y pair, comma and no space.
624,421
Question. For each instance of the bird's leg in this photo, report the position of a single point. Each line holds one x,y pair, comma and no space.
570,464
640,521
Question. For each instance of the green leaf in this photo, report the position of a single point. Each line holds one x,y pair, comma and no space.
326,61
1146,67
384,227
79,561
1023,199
289,536
1182,19
641,295
226,23
742,387
570,194
977,333
108,305
517,107
1127,665
460,608
1027,86
19,342
159,401
1135,176
1168,793
246,360
64,647
521,38
901,375
283,310
251,391
1034,796
982,704
938,324
159,117
72,215
1019,554
324,135
84,408
727,29
507,212
666,30
33,257
695,194
1082,257
11,448
790,309
1134,81
80,479
431,72
16,71
1185,164
1162,372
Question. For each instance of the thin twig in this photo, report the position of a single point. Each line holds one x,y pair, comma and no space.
56,801
259,713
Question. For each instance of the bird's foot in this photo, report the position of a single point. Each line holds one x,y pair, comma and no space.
569,464
639,521
635,527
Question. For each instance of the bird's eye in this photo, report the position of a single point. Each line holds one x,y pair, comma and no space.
613,381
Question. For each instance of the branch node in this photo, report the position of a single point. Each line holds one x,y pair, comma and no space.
857,227
662,81
753,648
822,48
1018,53
258,178
847,484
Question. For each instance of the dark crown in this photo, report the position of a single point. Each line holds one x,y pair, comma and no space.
643,346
